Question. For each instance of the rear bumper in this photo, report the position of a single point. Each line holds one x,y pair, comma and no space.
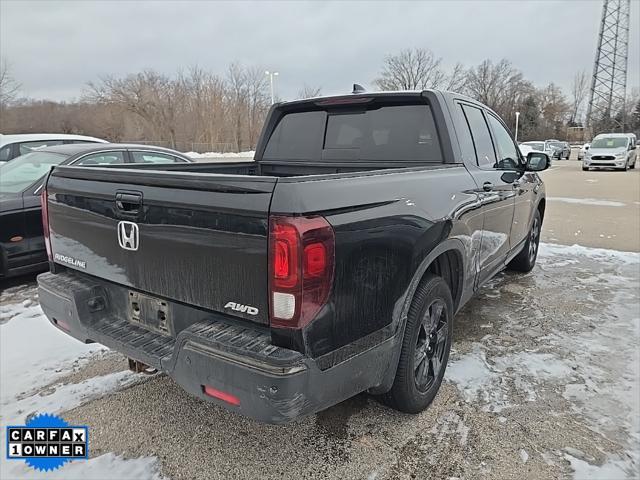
272,384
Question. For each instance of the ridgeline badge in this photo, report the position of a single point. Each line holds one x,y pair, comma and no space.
47,442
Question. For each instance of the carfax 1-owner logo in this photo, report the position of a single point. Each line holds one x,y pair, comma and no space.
46,442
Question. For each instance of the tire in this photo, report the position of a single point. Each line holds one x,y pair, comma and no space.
425,347
633,165
585,169
526,259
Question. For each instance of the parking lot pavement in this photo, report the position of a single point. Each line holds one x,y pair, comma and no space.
543,380
598,208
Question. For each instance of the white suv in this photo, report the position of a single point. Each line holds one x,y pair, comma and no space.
611,150
12,146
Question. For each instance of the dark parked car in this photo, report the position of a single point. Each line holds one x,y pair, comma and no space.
22,248
333,264
560,149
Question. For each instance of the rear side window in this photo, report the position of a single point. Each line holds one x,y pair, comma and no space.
389,133
27,147
482,142
102,158
153,157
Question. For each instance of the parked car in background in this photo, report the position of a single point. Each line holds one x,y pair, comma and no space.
543,146
331,265
561,149
22,247
525,150
583,151
611,150
12,146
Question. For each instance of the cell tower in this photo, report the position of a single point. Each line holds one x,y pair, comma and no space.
609,82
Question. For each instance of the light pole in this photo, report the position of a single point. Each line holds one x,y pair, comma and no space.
271,75
517,118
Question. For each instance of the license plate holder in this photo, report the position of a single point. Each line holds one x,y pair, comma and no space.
150,312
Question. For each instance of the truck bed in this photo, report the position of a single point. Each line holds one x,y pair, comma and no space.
269,168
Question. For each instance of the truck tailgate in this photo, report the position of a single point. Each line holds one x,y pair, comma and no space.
195,238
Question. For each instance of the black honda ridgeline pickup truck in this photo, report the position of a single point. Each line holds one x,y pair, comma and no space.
331,265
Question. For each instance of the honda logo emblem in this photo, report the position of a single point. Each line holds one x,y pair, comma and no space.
128,235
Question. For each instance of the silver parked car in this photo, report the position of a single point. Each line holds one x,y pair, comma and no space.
611,150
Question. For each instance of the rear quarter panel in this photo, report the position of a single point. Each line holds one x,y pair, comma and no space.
386,225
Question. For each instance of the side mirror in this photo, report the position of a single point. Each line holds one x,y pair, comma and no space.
537,161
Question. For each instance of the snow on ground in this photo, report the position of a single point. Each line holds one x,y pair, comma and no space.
586,353
33,355
587,201
107,466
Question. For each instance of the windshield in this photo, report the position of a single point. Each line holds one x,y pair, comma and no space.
610,142
536,145
23,171
556,144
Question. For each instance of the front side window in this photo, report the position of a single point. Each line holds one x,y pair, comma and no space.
102,158
508,158
20,173
482,142
27,147
154,157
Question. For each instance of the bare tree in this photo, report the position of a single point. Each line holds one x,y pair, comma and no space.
455,80
554,109
578,94
308,91
152,96
411,69
257,102
500,86
237,85
8,86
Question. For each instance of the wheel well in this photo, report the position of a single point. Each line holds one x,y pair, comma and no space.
448,265
541,207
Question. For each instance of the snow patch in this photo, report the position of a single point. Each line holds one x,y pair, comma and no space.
245,155
587,201
108,465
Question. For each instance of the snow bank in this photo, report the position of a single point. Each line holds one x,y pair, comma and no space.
247,154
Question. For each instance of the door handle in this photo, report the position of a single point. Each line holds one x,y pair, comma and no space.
128,202
487,186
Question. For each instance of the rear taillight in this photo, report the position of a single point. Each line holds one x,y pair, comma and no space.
301,264
45,222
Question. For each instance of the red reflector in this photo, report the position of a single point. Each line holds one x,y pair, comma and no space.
62,325
315,259
224,396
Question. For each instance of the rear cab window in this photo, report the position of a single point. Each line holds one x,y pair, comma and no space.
372,133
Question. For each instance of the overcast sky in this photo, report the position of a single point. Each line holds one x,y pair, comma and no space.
56,47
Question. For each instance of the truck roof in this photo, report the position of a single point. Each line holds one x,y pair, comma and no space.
379,94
